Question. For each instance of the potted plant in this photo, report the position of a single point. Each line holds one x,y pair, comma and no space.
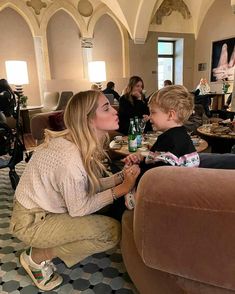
225,86
23,101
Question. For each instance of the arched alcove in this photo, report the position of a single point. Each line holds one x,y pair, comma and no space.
64,46
108,46
17,44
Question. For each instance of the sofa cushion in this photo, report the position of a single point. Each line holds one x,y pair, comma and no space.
217,160
184,223
56,121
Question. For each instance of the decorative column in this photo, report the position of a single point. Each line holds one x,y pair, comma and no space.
233,5
87,45
41,65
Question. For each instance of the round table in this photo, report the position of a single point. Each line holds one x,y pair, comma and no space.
220,143
123,149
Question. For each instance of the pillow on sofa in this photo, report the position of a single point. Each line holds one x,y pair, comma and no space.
56,121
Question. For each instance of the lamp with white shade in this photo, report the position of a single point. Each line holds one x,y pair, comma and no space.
97,72
17,74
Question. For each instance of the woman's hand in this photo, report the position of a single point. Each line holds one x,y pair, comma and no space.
130,176
137,94
134,158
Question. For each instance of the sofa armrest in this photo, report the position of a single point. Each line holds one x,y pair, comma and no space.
39,122
184,223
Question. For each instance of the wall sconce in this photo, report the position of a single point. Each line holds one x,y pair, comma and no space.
97,72
17,74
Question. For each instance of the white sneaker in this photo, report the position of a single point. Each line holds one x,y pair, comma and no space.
130,200
43,275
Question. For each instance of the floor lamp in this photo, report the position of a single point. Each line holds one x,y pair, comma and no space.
97,72
17,74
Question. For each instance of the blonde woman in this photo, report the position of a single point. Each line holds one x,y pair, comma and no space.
61,188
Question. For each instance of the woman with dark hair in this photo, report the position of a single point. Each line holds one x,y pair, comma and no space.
7,100
132,103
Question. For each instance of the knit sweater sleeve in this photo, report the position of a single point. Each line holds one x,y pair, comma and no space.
73,189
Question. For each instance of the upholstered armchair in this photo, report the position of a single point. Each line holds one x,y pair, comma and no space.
180,237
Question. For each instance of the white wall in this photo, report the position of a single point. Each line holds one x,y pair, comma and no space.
17,44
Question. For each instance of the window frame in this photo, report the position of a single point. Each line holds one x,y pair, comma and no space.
172,56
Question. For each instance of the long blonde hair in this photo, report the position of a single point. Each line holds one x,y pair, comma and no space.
79,112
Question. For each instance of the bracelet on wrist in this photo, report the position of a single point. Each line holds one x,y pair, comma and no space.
113,194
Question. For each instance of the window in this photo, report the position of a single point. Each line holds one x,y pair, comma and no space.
166,62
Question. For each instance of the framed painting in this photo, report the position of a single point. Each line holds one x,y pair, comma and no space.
223,60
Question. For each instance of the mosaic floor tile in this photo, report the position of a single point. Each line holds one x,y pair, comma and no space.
101,273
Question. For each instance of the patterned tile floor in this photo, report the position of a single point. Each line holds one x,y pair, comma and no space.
101,273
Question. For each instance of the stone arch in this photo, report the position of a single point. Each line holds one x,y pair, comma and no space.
23,11
205,6
116,7
70,10
144,12
124,36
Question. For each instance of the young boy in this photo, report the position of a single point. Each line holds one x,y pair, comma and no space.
169,107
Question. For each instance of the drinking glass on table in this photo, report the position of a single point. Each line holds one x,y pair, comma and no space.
142,124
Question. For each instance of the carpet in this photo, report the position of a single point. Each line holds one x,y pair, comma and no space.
101,273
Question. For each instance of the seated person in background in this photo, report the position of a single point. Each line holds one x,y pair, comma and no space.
196,119
167,83
228,101
131,104
7,98
169,108
110,90
95,87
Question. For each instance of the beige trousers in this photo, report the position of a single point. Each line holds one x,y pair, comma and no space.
71,238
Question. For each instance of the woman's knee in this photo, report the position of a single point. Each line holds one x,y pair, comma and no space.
113,232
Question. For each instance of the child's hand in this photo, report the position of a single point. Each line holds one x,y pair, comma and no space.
134,158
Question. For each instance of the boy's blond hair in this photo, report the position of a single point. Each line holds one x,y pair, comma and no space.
175,98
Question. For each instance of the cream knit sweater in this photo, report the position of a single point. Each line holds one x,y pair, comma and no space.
56,181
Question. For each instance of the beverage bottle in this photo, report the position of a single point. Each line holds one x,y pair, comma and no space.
138,132
132,138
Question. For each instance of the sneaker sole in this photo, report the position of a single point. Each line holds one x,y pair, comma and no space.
41,287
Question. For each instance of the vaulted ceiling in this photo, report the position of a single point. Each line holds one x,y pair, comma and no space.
137,16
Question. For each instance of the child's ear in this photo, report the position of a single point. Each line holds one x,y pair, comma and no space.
172,114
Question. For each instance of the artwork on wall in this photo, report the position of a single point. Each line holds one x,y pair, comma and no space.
223,60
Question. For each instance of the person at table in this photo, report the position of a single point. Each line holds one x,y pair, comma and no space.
132,103
95,87
7,98
63,186
167,83
110,90
169,107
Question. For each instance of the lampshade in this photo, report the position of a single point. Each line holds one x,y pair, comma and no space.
96,71
17,72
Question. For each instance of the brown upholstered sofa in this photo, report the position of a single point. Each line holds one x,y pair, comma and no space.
181,236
